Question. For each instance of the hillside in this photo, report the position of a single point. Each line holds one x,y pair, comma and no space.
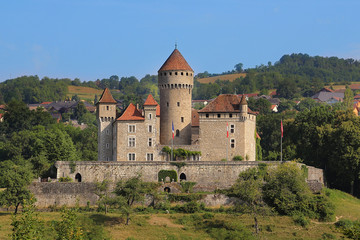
84,93
212,224
230,77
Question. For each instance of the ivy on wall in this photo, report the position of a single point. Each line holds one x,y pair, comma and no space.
180,152
167,173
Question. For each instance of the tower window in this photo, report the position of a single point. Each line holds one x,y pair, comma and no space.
207,115
150,116
182,73
131,141
175,73
177,133
187,74
230,115
175,85
107,146
232,143
182,119
170,73
107,107
164,73
219,115
232,128
131,156
178,104
102,119
107,132
167,104
150,142
150,128
132,129
149,157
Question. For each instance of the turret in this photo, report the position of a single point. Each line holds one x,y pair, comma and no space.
175,84
243,108
106,115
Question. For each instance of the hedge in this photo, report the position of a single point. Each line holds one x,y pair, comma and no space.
167,173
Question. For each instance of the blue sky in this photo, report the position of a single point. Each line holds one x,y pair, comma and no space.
94,39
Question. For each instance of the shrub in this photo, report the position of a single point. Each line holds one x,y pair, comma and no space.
208,216
191,207
187,187
65,179
301,220
350,229
185,197
326,236
238,158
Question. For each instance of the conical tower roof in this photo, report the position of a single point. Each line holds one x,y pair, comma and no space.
175,62
243,100
106,97
150,101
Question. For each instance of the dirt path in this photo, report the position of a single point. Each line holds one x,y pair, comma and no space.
161,221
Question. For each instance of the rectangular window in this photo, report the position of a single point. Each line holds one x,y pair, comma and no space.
232,128
150,116
131,156
150,142
150,157
150,128
178,104
107,146
219,115
107,132
132,129
131,142
207,115
182,119
230,115
232,143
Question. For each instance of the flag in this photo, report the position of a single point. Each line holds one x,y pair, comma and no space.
227,130
282,129
173,130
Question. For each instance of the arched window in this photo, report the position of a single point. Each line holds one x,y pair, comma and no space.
78,177
182,177
177,133
167,189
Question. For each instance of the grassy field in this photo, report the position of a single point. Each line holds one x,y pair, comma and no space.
214,225
230,77
84,93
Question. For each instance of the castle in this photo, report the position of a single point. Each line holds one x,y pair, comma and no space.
225,128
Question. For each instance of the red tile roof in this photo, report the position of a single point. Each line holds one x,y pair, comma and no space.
243,100
150,101
194,118
131,114
158,110
45,103
225,103
106,97
175,62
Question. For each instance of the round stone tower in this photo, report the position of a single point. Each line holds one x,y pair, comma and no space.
176,79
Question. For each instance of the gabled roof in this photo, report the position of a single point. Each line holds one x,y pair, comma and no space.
106,97
158,110
325,96
150,101
175,62
194,118
225,103
131,114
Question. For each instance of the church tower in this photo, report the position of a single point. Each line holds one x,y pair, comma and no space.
106,115
175,84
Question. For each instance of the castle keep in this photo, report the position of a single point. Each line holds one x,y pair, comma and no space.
225,128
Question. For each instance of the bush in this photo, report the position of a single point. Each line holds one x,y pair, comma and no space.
208,216
187,187
65,179
238,158
185,197
326,236
350,229
301,220
190,207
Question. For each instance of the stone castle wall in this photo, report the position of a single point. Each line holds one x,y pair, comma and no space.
208,175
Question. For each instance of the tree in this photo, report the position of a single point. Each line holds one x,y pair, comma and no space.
286,89
130,191
348,99
239,67
68,228
248,188
27,225
102,191
15,179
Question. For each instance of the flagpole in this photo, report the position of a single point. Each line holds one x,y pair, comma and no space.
227,141
282,130
172,150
